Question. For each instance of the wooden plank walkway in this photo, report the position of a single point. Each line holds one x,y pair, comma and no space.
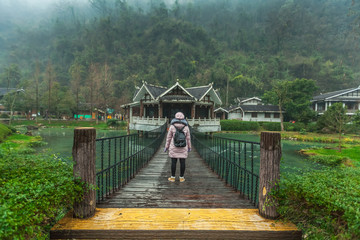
173,223
150,207
151,189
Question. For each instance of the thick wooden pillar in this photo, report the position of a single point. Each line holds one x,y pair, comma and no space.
160,109
193,107
270,155
141,108
84,167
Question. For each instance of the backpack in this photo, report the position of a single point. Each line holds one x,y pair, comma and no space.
179,137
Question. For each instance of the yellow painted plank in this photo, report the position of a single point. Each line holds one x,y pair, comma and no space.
173,219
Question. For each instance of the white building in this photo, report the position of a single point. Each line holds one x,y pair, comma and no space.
252,109
350,98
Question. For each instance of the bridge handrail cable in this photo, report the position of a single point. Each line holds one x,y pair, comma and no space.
121,157
235,161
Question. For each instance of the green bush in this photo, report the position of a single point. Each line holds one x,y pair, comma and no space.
328,160
312,127
297,126
4,132
116,123
4,115
325,204
271,126
112,123
34,190
237,125
12,129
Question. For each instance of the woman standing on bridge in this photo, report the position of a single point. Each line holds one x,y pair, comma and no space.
178,143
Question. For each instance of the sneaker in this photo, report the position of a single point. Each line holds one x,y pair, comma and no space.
182,179
171,179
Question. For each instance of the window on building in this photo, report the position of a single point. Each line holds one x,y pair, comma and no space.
267,115
254,115
276,115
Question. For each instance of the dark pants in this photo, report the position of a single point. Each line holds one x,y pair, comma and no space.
173,166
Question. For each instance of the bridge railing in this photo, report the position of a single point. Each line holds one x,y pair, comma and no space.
119,158
237,162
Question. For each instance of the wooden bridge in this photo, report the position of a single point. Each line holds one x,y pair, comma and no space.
150,207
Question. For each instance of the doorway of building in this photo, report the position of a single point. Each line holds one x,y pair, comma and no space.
170,109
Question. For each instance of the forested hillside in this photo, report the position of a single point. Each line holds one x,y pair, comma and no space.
97,51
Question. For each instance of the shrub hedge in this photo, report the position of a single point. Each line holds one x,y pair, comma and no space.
325,204
34,190
4,132
236,125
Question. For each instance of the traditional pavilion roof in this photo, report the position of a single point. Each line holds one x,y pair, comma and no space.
155,91
198,92
177,97
193,93
333,95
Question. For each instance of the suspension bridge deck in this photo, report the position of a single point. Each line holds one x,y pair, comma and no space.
151,189
149,206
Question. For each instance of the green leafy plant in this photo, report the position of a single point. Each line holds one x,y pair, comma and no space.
324,203
302,131
35,189
329,160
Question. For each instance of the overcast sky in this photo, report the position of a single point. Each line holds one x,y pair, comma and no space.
30,12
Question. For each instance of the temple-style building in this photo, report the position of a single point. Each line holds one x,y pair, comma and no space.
154,105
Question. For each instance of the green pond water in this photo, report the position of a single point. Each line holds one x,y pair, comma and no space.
292,160
60,141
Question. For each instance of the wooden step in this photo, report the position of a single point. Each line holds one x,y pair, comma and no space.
171,223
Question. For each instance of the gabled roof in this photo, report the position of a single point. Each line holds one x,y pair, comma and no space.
155,91
242,100
220,109
174,86
330,95
201,92
198,92
152,90
193,93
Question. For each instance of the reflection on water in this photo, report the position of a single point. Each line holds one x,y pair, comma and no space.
60,140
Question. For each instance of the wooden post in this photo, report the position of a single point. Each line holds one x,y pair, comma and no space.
270,155
84,167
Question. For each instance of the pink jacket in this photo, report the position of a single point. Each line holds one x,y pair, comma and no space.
178,152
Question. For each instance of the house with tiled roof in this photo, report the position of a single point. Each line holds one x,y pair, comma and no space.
153,105
350,98
255,113
250,109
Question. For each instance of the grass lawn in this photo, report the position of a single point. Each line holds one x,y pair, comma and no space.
324,138
21,143
349,151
